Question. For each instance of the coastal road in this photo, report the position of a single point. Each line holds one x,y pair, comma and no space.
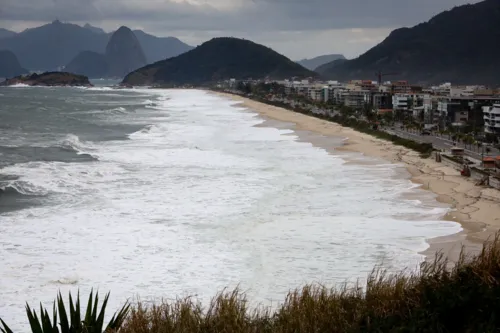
442,143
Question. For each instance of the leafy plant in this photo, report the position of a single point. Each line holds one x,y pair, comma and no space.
92,322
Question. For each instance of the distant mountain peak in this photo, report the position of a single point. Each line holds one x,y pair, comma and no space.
124,30
124,52
316,62
54,45
219,59
94,29
160,48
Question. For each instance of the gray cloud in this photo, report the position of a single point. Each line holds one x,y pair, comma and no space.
48,10
279,22
241,16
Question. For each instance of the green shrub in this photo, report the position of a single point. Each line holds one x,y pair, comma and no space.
72,322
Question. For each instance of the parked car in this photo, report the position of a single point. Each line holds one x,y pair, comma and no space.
425,133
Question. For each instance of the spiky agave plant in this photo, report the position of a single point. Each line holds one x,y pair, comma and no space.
92,322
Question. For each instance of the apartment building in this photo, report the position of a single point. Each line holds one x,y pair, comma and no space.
403,87
357,99
319,93
443,89
414,105
491,116
338,95
382,100
462,109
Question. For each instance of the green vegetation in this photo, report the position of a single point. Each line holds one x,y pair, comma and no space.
219,59
346,118
434,299
362,126
73,322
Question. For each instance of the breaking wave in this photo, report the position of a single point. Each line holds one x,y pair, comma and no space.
20,188
73,143
20,85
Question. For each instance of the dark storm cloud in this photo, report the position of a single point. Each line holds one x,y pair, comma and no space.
233,15
337,14
47,10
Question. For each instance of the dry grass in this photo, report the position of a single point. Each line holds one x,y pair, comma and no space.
465,299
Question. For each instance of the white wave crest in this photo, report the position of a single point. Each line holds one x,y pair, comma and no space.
20,85
145,131
73,142
118,110
149,102
65,281
25,188
100,88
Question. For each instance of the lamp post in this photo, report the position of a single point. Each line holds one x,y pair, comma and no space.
482,155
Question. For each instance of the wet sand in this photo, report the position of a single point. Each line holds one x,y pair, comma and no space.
476,208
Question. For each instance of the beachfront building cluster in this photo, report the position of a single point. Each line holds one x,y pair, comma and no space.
442,106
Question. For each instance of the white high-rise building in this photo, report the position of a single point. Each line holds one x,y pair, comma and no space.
492,119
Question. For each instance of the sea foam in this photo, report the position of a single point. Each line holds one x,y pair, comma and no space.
200,199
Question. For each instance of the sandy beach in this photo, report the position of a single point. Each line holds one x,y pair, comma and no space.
476,208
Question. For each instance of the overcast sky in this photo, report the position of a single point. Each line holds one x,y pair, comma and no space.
296,28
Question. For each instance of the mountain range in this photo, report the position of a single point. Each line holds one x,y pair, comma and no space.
219,59
326,68
94,29
316,62
459,45
54,45
123,55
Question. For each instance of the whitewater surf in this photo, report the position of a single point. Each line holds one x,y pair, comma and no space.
165,193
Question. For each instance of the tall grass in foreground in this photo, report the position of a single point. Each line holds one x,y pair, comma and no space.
435,299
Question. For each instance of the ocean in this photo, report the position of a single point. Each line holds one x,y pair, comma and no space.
164,193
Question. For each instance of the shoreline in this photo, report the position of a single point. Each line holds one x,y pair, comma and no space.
475,208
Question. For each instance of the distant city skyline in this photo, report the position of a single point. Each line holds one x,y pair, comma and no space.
297,29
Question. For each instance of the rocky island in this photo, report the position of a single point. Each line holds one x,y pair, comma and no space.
50,79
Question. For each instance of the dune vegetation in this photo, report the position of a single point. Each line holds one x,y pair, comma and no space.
465,298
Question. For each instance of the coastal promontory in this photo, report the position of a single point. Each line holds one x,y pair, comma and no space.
219,59
49,79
